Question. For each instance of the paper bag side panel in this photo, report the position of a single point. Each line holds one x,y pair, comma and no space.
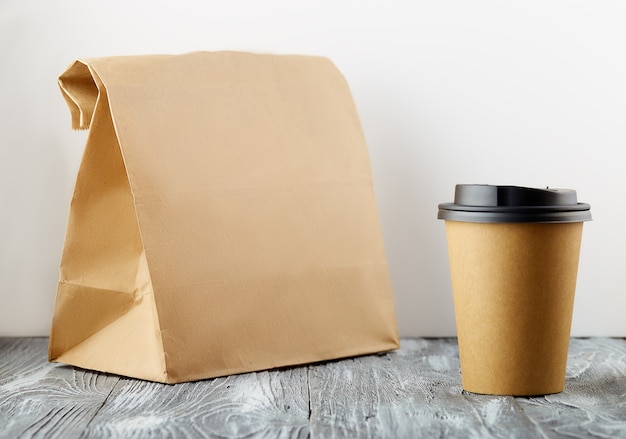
102,273
102,243
255,202
129,344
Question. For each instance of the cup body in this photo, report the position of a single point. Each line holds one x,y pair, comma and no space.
513,286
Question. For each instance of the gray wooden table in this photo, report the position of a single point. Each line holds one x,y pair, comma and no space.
413,392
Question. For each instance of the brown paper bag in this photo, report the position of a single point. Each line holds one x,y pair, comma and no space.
223,219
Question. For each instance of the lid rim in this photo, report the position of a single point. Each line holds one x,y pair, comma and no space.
515,217
579,207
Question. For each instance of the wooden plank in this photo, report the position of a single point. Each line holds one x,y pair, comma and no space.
416,392
265,404
41,399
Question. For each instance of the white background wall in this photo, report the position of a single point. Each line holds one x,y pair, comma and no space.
517,92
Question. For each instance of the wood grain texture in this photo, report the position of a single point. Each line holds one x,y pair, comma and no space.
44,400
413,392
270,404
593,403
416,392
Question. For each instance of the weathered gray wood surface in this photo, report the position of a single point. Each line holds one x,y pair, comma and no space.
414,392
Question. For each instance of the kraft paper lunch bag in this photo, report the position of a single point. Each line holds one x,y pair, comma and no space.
223,219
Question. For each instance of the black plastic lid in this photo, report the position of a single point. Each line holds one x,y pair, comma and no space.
483,203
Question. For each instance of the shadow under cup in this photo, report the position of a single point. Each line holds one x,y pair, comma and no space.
513,260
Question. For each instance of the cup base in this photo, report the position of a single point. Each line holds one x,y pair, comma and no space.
517,395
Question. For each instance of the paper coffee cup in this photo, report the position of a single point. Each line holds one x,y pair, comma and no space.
513,260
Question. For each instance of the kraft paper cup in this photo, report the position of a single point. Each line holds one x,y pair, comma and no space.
513,260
